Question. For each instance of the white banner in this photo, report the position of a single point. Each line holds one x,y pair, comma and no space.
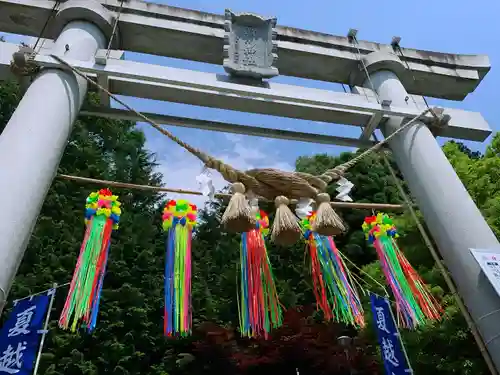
489,262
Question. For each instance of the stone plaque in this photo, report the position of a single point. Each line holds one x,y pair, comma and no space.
250,48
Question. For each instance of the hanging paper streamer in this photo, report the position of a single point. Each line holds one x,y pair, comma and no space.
259,307
179,218
102,215
414,302
303,208
206,184
333,288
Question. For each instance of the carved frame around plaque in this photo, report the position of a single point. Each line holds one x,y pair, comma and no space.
250,48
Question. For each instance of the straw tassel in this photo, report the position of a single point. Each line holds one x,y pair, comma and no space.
179,218
327,222
286,230
238,216
102,215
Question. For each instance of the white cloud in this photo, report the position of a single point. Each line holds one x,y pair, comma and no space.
180,168
247,153
235,138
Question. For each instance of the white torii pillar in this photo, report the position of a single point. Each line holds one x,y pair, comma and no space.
33,142
452,217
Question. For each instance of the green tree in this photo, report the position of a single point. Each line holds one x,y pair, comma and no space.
129,338
9,97
481,176
445,347
129,335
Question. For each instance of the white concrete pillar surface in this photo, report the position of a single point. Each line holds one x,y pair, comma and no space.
33,142
451,215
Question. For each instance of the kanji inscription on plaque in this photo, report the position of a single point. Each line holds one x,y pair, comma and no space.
250,48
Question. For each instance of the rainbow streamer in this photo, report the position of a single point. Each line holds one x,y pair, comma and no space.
179,218
335,294
259,306
414,302
102,215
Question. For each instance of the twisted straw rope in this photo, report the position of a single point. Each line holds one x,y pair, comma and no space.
230,174
338,171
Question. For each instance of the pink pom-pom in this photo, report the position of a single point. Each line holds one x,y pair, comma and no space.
104,203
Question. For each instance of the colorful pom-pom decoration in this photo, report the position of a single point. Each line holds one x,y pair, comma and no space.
102,215
414,302
179,218
259,306
333,286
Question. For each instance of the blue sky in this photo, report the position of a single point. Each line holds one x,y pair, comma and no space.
441,25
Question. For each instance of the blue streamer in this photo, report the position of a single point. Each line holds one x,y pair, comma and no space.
169,281
244,312
95,306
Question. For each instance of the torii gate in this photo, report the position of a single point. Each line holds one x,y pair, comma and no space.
79,30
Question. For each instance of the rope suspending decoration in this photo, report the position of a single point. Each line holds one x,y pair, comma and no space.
268,183
45,25
356,44
115,28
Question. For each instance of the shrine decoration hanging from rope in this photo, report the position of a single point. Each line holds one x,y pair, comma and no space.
414,302
258,303
259,308
179,218
333,286
335,292
268,183
102,215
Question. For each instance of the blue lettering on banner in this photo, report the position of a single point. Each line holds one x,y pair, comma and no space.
388,336
20,335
